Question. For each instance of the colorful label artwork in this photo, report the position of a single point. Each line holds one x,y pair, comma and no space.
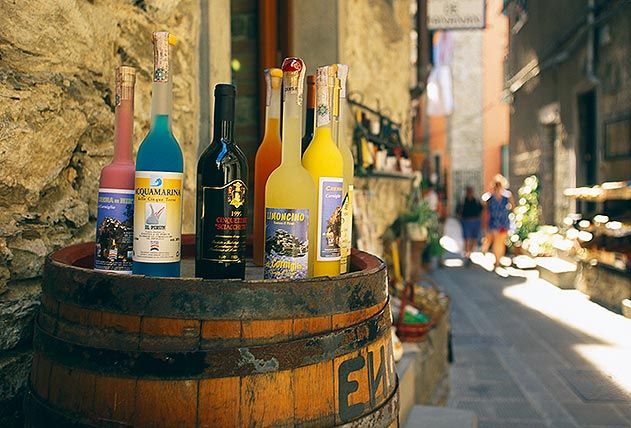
286,243
158,217
224,222
329,218
114,231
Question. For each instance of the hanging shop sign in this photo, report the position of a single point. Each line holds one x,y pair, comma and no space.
455,14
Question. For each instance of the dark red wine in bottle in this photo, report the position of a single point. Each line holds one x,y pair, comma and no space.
222,176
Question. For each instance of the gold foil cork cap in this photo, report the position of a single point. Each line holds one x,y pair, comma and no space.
342,74
325,76
161,42
325,79
125,81
273,80
293,69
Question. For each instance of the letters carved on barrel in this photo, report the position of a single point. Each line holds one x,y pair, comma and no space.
126,350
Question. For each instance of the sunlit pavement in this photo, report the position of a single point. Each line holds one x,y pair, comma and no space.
528,354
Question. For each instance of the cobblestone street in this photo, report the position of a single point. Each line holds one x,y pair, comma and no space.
527,354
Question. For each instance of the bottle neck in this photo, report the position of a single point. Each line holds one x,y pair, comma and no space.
223,130
223,119
123,131
310,121
292,132
161,102
323,113
272,116
324,133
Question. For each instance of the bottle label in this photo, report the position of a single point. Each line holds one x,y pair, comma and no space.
114,231
346,232
224,223
286,243
158,217
329,218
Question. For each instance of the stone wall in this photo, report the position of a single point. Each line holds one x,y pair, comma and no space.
57,61
377,202
373,38
466,149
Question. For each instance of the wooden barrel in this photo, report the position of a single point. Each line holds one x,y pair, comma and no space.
119,351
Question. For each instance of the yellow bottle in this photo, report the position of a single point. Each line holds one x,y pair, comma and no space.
324,162
343,144
267,158
290,196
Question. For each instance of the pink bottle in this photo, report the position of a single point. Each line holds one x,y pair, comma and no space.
115,214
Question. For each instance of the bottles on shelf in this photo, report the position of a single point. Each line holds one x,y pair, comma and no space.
290,194
222,176
267,158
324,162
310,119
344,145
158,183
115,210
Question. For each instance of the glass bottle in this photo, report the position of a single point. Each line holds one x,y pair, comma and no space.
344,145
310,119
290,194
159,172
267,158
324,162
222,176
115,209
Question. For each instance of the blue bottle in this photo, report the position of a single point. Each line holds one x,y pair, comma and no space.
159,175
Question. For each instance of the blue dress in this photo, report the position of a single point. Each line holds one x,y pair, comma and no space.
498,212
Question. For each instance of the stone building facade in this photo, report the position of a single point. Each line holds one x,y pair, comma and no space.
465,147
373,38
465,130
57,62
569,75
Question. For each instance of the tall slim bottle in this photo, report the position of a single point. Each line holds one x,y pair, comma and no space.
267,158
324,162
310,119
290,194
159,170
343,143
115,211
222,192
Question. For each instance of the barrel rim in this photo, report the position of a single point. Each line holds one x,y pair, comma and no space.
214,362
36,407
66,256
196,298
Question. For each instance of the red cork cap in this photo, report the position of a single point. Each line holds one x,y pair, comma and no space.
292,64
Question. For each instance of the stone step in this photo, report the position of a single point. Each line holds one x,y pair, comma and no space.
440,417
626,308
557,271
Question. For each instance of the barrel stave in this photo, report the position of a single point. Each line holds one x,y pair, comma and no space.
121,351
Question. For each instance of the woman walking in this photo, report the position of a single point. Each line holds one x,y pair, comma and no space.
470,210
498,203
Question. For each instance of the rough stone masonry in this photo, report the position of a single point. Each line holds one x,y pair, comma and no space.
57,61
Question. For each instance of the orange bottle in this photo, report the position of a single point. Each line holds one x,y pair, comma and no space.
267,158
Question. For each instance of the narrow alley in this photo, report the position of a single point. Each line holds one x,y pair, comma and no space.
527,354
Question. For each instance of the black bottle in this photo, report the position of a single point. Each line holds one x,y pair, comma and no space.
311,105
222,176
